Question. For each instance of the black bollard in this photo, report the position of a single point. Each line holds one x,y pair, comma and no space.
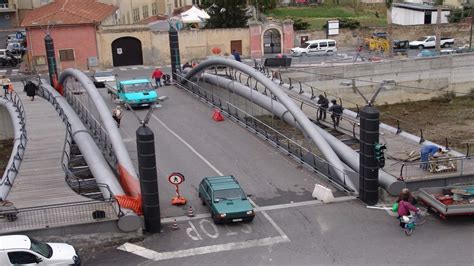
148,179
52,68
369,169
174,51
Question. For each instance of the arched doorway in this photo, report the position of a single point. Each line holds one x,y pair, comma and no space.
127,51
272,42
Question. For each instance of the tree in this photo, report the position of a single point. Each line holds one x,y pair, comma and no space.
388,4
226,13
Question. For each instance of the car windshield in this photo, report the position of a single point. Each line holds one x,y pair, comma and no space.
103,74
137,87
41,248
234,193
421,39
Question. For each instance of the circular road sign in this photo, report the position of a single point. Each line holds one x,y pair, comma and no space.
176,178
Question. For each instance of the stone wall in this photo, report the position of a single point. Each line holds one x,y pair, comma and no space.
193,44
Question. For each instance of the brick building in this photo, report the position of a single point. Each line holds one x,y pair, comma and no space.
73,26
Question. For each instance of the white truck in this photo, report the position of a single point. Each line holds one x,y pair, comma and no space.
430,42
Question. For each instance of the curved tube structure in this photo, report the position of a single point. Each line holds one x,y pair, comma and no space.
92,154
348,155
18,148
95,160
301,119
127,172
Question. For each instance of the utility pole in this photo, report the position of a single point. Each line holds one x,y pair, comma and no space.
174,50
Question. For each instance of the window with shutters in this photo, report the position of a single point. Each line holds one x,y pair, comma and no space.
145,11
66,55
136,14
154,8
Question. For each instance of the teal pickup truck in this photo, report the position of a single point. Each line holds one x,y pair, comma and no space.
134,92
226,199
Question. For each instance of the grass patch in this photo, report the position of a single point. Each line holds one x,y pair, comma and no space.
317,16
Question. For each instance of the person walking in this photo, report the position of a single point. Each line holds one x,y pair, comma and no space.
156,75
336,112
5,83
117,115
323,103
30,89
358,54
236,55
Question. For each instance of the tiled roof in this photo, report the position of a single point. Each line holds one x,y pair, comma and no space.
68,12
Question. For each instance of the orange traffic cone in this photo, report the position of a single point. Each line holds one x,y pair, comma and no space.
190,212
174,226
217,116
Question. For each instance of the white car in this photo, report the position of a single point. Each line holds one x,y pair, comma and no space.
101,77
315,47
24,250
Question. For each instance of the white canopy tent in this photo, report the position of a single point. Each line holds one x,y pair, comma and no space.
194,15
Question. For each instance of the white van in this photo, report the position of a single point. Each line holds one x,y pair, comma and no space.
315,47
24,250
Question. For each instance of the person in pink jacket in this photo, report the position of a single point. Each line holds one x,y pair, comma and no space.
404,207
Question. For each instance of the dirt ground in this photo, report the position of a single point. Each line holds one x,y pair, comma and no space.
6,147
440,119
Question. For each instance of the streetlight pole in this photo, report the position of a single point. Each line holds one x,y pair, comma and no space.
470,32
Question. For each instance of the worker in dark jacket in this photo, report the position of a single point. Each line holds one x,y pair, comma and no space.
30,88
336,112
323,103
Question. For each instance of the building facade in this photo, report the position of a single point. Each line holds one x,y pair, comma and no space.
69,23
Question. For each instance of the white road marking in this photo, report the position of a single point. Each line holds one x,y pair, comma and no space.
134,68
188,145
3,71
146,67
157,256
123,69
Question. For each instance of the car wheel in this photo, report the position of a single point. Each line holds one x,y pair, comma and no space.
203,202
330,52
304,54
421,46
446,45
214,218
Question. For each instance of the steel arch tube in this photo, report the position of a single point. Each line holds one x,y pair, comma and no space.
18,141
95,160
127,171
347,155
302,120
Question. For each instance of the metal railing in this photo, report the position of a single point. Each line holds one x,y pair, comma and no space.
13,168
50,216
435,169
266,132
99,133
400,125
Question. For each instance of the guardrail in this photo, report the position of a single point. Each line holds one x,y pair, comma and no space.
440,168
266,132
101,136
18,150
50,216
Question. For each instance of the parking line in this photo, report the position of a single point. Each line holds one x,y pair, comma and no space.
157,256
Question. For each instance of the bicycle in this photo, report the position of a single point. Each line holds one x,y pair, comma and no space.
411,221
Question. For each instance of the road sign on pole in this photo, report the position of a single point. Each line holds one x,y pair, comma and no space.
176,179
19,35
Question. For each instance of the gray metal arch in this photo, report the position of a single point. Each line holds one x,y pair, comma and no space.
20,140
302,120
125,165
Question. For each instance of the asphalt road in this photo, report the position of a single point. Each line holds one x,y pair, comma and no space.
290,228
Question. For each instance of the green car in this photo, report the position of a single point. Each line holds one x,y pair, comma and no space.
226,199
